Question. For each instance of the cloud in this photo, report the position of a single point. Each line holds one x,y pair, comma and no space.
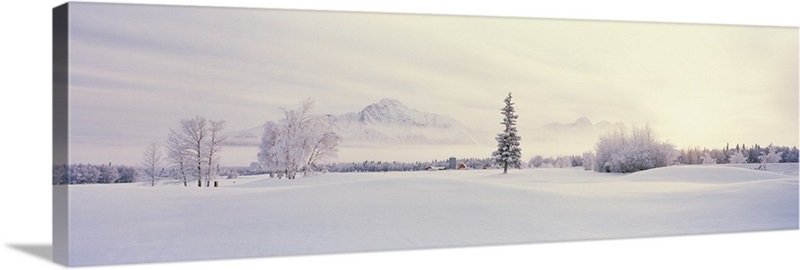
165,63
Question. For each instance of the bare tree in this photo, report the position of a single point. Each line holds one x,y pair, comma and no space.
178,153
214,146
194,148
152,161
194,132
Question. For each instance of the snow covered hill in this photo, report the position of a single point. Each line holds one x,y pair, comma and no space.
706,174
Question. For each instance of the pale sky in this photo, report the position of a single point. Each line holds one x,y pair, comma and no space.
136,70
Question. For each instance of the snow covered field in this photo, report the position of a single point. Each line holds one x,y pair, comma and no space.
351,212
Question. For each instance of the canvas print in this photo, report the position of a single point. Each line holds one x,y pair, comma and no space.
199,133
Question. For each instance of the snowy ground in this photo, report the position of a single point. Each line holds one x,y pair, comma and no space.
334,213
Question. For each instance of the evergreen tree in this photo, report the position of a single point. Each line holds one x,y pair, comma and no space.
508,152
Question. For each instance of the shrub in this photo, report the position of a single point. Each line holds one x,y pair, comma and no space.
622,152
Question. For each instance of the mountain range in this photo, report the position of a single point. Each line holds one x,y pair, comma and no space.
580,124
573,138
387,121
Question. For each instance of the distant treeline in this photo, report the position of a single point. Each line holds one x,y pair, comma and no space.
75,174
539,161
695,155
395,166
93,174
688,156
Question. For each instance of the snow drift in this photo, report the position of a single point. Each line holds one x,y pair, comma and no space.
704,174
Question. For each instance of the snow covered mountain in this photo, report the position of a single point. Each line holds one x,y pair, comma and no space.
390,121
387,121
392,112
247,137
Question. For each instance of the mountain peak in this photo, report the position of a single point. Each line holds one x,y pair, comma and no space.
390,121
386,111
582,122
390,102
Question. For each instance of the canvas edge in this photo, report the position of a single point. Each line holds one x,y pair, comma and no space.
60,131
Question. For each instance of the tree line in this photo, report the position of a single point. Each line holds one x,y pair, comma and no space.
740,153
396,166
93,174
624,151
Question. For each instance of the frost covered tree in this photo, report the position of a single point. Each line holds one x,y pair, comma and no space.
297,142
292,142
738,158
536,161
607,148
588,161
770,157
563,162
178,154
194,132
619,151
508,153
268,155
193,147
108,174
707,159
152,162
322,143
213,146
